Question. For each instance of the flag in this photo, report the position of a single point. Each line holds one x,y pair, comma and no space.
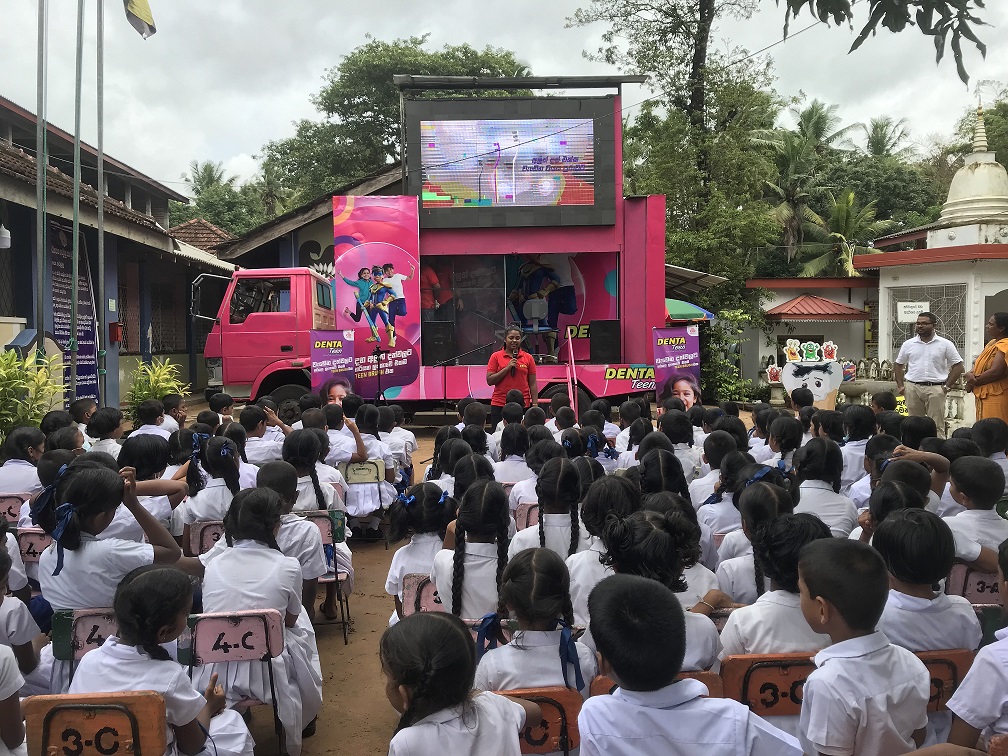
138,13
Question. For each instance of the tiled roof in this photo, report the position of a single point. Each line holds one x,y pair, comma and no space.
200,233
810,307
20,165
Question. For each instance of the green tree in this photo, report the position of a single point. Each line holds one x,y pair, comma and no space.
995,124
902,192
206,175
848,231
820,126
792,190
885,137
234,210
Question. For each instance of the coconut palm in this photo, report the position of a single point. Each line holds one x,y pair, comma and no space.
819,123
206,174
885,137
793,189
848,231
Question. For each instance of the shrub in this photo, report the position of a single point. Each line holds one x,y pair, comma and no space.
28,389
153,381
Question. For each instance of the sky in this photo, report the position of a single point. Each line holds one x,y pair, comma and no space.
220,79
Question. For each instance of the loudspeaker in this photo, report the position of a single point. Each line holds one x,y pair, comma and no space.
438,341
604,342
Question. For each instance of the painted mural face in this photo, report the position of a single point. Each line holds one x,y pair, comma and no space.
821,378
684,390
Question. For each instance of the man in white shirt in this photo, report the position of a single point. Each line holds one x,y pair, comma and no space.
926,367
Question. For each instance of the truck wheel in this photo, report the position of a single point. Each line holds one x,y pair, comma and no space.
583,399
290,391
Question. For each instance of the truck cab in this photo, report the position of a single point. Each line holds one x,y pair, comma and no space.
259,342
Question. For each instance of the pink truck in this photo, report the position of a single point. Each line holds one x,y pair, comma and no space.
514,218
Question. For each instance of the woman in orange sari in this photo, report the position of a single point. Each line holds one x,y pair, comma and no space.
988,380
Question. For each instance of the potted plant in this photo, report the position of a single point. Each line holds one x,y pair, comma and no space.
28,389
152,381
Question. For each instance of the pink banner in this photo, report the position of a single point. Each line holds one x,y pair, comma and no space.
677,363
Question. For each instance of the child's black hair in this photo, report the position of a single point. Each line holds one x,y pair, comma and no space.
711,416
674,404
351,404
512,413
805,417
991,435
461,404
301,448
565,418
80,407
148,599
265,402
729,408
695,415
476,437
931,444
979,478
652,545
539,433
589,470
831,423
541,452
661,470
443,434
788,433
885,401
172,401
434,656
323,439
820,459
425,508
860,422
913,474
763,419
716,446
236,432
848,574
639,429
220,401
314,417
593,418
953,448
50,463
964,432
534,416
309,401
556,402
880,443
281,477
468,470
778,544
514,441
628,412
653,442
54,420
367,419
334,416
736,429
250,417
475,414
802,397
399,413
639,627
917,546
571,442
386,419
483,511
759,504
89,488
147,453
603,407
451,452
677,427
65,438
211,419
557,486
915,428
890,423
104,422
254,515
220,460
514,396
611,494
536,585
148,411
735,468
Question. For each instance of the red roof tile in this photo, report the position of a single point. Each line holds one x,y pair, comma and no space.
200,233
810,307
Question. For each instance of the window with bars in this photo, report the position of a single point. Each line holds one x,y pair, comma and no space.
167,319
6,286
947,302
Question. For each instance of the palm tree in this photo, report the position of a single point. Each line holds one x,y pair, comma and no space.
885,137
834,242
794,187
205,175
818,122
271,190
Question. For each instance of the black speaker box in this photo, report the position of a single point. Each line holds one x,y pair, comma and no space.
604,342
438,341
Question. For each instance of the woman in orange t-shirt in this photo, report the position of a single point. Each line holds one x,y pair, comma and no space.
511,368
988,380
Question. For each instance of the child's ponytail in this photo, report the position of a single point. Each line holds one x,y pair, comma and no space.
220,460
301,449
483,511
425,508
194,476
147,599
759,504
559,485
80,491
254,515
652,545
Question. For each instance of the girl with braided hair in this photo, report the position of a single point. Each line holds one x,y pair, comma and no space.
255,574
557,489
468,577
741,577
301,448
211,501
429,662
151,607
535,590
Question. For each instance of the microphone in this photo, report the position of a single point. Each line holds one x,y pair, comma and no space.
513,355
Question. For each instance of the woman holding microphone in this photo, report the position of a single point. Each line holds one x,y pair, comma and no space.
511,368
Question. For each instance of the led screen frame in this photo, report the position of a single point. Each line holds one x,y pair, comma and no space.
600,110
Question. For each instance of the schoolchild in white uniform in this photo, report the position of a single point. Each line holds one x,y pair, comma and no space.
919,552
557,490
396,444
23,448
877,449
991,435
80,571
148,456
150,417
20,632
859,423
537,456
422,514
301,449
255,574
975,482
429,666
609,429
867,696
475,413
467,578
819,465
556,402
512,413
628,412
642,635
613,494
784,440
739,577
639,430
679,430
701,576
363,500
535,590
135,660
342,447
258,449
246,470
662,547
717,446
718,512
105,426
210,501
476,438
409,439
514,445
452,451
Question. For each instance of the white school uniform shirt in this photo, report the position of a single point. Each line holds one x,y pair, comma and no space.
486,724
762,452
170,424
699,580
151,430
1002,459
301,539
260,450
860,492
677,721
328,474
479,579
983,526
853,464
19,476
586,571
690,458
364,498
210,503
610,430
532,660
91,574
251,575
708,551
341,448
980,699
415,557
720,516
512,469
866,696
409,442
115,667
247,474
125,526
108,446
817,497
17,626
523,490
699,436
921,624
492,447
627,459
274,433
17,578
702,642
551,425
623,440
307,500
298,425
702,488
446,483
947,506
557,531
806,437
773,624
737,578
735,544
397,446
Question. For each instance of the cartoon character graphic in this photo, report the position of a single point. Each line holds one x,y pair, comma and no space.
773,373
821,378
792,350
545,277
362,293
829,350
810,351
381,298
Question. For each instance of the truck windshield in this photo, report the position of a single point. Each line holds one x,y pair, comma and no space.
253,295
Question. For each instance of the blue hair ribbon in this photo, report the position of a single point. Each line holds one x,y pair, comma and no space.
444,497
486,634
714,498
784,467
610,452
63,514
592,446
884,464
758,477
406,501
569,654
197,442
45,496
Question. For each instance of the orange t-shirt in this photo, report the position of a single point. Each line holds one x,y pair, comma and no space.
525,369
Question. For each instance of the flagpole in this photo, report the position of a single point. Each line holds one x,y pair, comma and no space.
76,200
100,308
40,183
